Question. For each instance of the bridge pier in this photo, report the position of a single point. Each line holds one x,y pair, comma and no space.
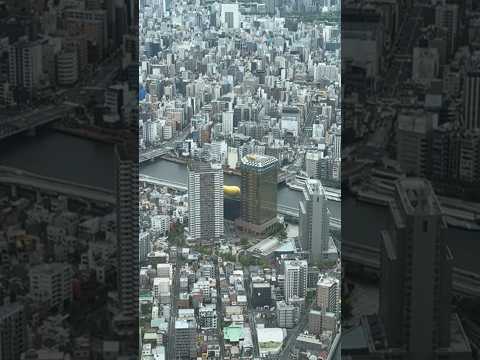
13,191
38,196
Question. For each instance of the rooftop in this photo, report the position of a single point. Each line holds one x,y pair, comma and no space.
259,161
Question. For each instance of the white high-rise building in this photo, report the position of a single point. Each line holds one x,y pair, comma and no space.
337,143
296,273
51,284
25,64
312,164
205,201
314,220
227,123
67,67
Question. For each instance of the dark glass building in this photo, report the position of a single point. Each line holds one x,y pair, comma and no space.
258,199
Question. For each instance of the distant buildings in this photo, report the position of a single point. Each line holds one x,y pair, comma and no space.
230,16
205,200
314,232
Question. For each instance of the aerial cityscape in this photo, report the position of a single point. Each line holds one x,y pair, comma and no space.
234,179
68,162
240,149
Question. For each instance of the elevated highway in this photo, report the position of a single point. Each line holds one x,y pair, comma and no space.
15,177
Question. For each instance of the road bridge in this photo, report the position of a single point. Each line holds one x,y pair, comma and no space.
15,177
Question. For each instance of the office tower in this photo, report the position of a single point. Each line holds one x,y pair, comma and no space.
127,230
414,131
25,64
227,123
327,293
471,99
446,142
51,284
261,294
230,16
416,264
296,274
145,246
185,339
13,331
314,220
286,314
205,201
258,194
446,16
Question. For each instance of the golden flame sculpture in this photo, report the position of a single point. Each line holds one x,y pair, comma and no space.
231,190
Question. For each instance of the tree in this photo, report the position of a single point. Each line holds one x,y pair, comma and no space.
244,242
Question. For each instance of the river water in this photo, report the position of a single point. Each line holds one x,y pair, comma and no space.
68,157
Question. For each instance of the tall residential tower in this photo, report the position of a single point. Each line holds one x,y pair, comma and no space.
205,201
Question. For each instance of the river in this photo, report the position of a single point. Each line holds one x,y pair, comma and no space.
66,157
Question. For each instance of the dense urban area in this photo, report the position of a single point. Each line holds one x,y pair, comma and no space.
244,96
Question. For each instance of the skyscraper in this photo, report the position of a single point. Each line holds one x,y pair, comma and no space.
296,273
205,201
314,220
13,331
416,266
227,123
258,199
471,94
127,241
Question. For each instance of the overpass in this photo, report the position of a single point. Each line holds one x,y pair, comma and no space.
152,154
156,181
28,121
15,177
465,282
